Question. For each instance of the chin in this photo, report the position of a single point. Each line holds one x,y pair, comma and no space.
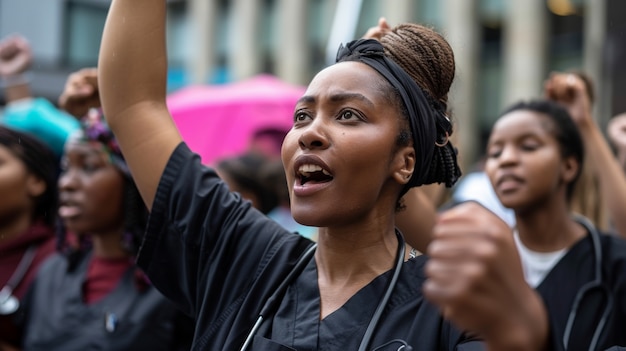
309,219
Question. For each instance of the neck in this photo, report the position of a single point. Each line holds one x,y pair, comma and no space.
345,257
548,228
11,228
109,244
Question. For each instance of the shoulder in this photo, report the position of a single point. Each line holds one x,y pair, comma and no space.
613,246
410,281
54,263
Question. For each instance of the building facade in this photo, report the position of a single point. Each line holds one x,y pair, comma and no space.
504,48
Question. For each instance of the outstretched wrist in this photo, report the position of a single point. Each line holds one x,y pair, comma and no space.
15,80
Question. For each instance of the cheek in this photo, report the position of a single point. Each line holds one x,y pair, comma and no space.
490,169
288,149
105,199
13,188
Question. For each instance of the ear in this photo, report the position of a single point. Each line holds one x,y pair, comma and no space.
570,168
403,164
35,186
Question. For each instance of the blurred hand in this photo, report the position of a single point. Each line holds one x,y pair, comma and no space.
616,131
475,277
379,31
15,56
80,92
570,91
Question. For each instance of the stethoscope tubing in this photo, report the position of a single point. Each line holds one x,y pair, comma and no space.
595,283
270,305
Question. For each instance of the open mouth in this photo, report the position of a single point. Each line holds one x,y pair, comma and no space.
309,173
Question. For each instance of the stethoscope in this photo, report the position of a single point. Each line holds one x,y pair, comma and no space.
596,285
271,304
8,302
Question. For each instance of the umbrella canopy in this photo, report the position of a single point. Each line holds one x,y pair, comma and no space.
218,121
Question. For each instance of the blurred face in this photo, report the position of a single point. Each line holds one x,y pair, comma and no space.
18,188
341,160
90,190
524,161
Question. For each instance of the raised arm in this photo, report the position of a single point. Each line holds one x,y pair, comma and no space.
15,58
80,92
569,90
132,71
616,131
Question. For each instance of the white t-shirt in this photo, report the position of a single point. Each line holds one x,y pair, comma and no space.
477,187
536,265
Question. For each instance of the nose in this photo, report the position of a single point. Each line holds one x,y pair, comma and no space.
68,180
314,135
508,156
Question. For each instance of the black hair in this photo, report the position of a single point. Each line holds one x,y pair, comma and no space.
247,171
564,130
41,162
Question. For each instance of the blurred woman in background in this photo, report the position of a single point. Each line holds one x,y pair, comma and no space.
27,213
92,295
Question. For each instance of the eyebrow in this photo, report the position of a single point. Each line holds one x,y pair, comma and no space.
339,97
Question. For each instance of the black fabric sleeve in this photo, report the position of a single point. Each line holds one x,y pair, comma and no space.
204,246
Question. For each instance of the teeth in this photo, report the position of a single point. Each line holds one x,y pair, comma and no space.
307,169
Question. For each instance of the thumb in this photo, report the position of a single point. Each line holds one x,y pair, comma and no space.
382,24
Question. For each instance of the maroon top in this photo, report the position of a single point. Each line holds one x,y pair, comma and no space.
103,275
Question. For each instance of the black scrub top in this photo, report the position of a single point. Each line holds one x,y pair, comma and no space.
575,272
125,319
219,259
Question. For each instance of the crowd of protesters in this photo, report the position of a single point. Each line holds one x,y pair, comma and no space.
529,253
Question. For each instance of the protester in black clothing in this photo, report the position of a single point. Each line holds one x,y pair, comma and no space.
367,129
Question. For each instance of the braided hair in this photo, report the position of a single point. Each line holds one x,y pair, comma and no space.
429,60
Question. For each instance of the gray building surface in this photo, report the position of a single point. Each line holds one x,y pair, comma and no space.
504,48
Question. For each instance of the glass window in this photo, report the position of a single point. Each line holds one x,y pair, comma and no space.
83,28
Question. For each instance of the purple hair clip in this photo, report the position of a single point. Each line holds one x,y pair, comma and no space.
95,129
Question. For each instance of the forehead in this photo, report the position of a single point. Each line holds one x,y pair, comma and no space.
355,77
77,146
522,123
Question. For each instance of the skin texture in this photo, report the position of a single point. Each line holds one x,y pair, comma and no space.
570,91
15,59
90,194
80,92
349,128
342,124
530,176
476,279
357,241
616,131
524,162
19,188
417,220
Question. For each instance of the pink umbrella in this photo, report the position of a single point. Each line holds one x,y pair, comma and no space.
219,121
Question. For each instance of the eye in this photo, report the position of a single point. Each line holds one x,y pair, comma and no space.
300,116
494,152
529,146
90,167
348,115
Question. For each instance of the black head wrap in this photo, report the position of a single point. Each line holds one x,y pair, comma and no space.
430,127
